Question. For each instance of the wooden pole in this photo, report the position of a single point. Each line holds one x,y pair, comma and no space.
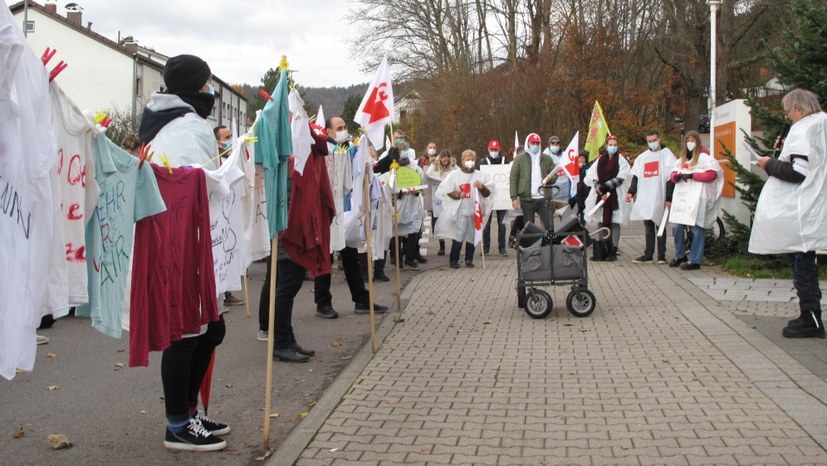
246,296
368,237
396,243
274,252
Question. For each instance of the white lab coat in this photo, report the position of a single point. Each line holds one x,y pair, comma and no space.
621,215
652,170
711,192
792,217
457,219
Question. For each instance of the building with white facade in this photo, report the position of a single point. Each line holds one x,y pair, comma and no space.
115,76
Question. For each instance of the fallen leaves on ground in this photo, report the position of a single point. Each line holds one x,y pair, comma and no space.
302,415
59,441
52,388
274,415
120,365
18,433
398,319
346,357
336,343
266,455
451,325
51,355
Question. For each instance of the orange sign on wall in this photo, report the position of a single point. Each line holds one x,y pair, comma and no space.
725,136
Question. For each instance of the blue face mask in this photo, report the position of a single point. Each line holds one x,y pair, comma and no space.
612,150
228,144
211,91
555,149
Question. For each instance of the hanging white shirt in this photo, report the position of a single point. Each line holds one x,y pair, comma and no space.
79,192
341,183
27,148
225,190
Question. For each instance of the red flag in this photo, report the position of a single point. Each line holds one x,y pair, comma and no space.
477,217
376,109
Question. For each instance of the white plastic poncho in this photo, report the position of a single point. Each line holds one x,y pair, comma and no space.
652,170
457,219
187,140
792,217
711,192
621,215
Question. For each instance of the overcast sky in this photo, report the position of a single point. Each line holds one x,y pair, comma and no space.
239,39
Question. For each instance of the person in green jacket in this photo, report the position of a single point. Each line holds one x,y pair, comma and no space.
529,172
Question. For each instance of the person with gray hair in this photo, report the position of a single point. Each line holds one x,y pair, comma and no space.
791,214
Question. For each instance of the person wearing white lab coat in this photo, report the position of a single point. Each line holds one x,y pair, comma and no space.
457,219
650,173
695,165
791,214
608,175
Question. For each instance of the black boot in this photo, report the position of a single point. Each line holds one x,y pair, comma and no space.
611,252
441,248
810,326
599,250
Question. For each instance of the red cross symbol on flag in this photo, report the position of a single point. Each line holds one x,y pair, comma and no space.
375,105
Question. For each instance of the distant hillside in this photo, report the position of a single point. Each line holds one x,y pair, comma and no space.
331,98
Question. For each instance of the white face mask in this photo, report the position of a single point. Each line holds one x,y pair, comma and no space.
432,151
690,146
494,154
469,164
341,136
653,146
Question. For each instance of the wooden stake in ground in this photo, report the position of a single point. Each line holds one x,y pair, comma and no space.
368,237
246,296
483,258
274,252
396,241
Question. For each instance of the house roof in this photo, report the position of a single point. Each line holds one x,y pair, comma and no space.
18,7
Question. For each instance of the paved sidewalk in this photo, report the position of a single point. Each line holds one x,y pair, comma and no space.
661,373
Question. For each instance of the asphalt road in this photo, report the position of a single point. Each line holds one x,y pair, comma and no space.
115,415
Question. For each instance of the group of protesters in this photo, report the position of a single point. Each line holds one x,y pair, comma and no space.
641,190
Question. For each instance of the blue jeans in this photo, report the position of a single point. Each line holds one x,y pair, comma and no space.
486,233
696,253
456,246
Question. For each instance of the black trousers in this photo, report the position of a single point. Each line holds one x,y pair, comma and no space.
289,281
805,280
350,262
183,366
651,230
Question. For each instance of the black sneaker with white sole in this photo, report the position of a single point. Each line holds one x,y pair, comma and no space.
215,427
193,437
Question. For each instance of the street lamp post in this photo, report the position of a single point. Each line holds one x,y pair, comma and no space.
713,45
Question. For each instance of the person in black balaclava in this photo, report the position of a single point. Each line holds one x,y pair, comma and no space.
174,122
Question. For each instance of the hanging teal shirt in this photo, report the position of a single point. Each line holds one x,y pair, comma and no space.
128,193
273,150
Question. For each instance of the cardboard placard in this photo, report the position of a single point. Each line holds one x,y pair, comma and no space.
685,202
501,176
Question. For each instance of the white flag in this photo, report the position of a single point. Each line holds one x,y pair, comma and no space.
320,118
376,109
569,163
300,129
516,143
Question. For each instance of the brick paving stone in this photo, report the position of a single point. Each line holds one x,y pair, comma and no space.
647,378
